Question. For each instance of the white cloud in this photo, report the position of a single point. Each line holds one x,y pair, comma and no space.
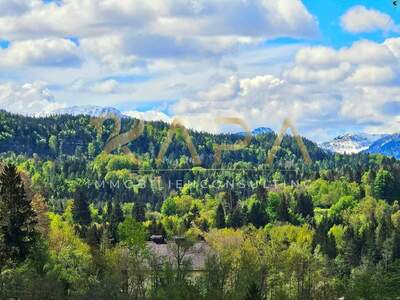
150,115
105,87
109,51
372,75
361,19
17,7
367,52
42,52
317,56
119,33
29,98
303,74
324,88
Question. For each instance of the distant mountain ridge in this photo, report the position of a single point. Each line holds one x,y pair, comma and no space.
95,111
385,144
90,110
261,130
388,145
257,131
351,143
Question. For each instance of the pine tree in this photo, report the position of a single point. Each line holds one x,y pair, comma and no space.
352,248
138,212
253,293
257,215
17,218
384,185
108,212
117,216
220,217
283,210
236,218
305,206
80,211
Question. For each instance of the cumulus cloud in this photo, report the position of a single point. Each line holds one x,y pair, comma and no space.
42,52
105,87
121,32
258,100
110,51
16,7
150,115
323,86
29,98
361,19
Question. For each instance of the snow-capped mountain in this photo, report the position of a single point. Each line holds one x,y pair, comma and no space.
90,110
388,145
352,143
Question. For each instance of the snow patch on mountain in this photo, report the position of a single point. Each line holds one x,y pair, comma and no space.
89,110
351,143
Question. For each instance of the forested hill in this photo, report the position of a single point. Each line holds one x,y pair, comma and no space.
289,230
74,139
68,135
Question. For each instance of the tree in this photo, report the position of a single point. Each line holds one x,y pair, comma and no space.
257,215
254,293
132,234
169,208
41,210
305,206
283,209
138,212
236,218
384,185
53,145
91,150
17,218
117,216
220,217
80,210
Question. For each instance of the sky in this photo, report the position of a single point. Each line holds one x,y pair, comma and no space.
330,66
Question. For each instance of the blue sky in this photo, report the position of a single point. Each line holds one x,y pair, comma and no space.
331,66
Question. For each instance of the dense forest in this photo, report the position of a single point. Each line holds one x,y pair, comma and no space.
78,222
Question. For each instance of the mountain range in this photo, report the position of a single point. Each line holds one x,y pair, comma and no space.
90,110
350,143
385,144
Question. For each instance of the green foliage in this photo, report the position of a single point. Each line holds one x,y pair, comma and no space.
132,233
17,218
384,185
80,211
326,230
169,207
220,217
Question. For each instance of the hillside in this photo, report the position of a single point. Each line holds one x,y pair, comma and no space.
88,216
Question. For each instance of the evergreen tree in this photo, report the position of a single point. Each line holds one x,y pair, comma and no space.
117,216
93,236
283,210
396,244
384,186
352,248
108,212
80,211
236,218
138,212
257,215
253,293
220,217
305,206
17,218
